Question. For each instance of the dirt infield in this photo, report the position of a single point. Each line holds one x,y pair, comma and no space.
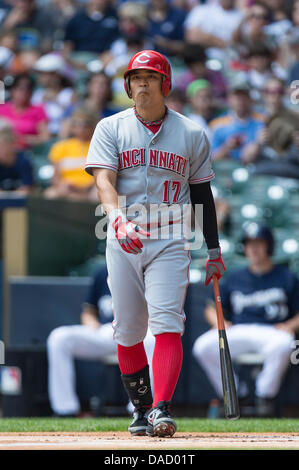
123,441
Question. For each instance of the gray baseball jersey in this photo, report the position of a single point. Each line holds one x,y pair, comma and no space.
152,168
150,288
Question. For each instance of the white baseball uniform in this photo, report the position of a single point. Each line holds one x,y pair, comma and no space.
67,343
274,345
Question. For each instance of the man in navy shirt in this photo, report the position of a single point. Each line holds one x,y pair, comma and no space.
16,172
92,29
166,27
261,308
91,340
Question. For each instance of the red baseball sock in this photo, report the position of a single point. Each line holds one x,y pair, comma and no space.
131,359
167,363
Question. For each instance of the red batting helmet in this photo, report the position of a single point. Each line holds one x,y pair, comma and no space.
150,60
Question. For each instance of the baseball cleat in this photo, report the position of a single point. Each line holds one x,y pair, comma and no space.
160,422
139,424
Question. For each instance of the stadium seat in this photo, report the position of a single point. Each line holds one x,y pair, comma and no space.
42,167
240,180
88,268
286,246
224,173
244,213
92,63
225,167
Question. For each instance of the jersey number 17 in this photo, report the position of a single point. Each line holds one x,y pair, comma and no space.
174,187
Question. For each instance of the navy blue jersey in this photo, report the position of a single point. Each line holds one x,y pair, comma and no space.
92,33
172,27
267,298
99,296
17,175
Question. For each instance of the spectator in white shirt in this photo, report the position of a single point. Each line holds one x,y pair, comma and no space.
212,26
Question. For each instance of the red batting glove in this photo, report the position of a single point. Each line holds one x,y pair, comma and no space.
126,234
215,265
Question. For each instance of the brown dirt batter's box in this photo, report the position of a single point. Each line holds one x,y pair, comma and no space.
123,440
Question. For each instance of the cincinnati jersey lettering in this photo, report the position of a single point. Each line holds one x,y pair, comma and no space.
157,158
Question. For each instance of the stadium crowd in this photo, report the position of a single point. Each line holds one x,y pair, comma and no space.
234,63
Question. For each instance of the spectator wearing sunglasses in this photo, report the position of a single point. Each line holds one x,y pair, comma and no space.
251,31
280,136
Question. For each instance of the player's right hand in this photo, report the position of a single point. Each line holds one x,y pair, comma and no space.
127,235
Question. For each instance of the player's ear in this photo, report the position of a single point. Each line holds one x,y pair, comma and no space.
128,86
162,88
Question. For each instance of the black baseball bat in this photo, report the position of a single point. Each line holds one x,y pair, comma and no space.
230,399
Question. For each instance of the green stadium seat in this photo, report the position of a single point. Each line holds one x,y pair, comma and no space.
89,267
236,262
42,167
81,75
286,246
224,173
227,245
240,180
225,167
43,149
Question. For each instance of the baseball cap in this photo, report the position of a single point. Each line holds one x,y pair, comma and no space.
193,87
234,87
50,63
239,82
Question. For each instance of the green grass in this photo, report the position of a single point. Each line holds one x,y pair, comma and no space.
121,424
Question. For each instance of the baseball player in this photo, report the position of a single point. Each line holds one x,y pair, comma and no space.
150,156
92,340
261,306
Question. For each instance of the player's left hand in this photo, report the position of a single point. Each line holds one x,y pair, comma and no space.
215,265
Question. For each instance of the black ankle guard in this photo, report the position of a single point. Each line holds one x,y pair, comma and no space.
138,387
